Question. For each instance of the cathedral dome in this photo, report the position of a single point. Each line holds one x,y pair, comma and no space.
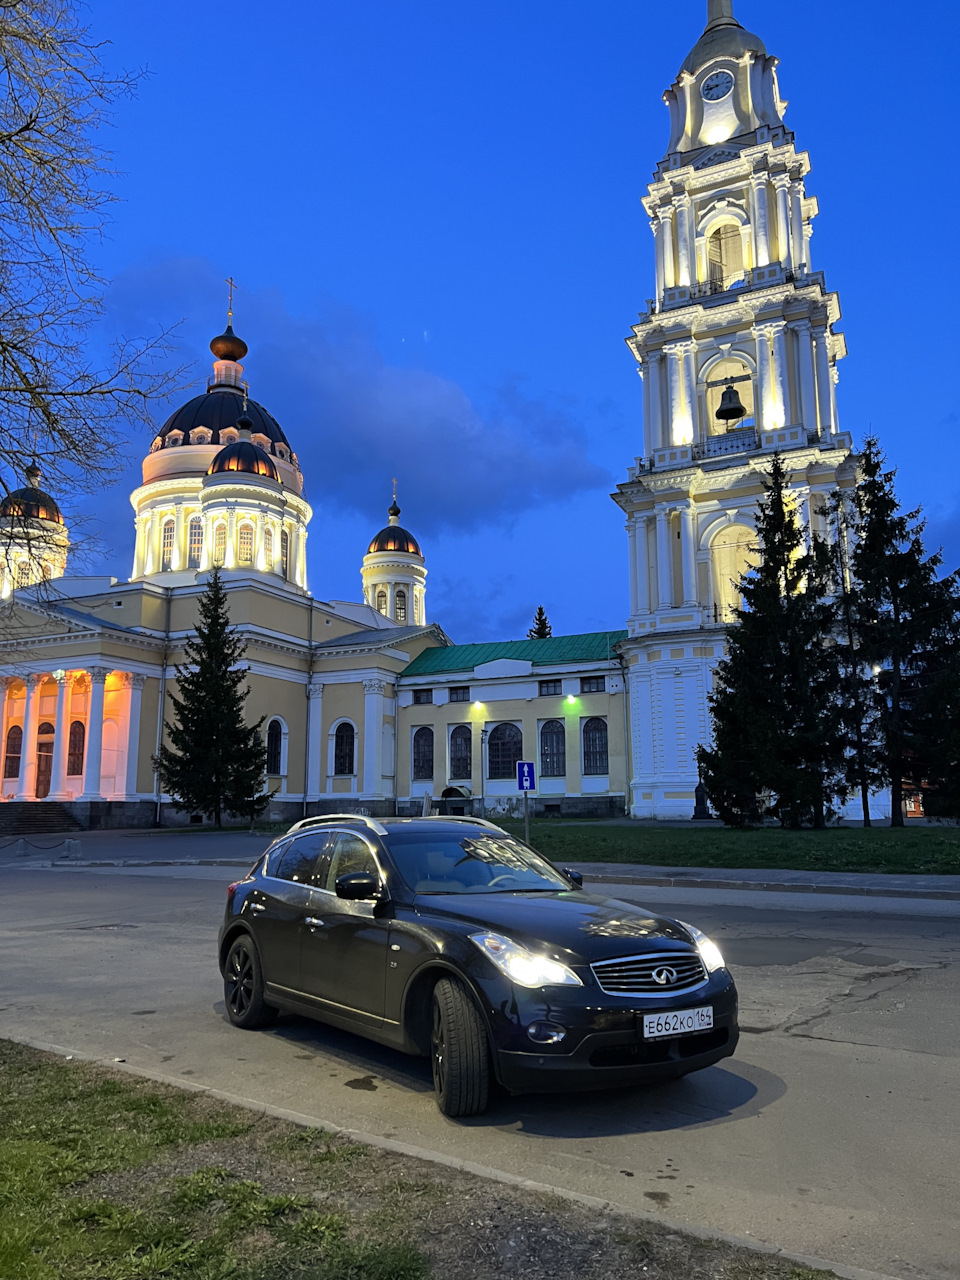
228,346
723,37
31,503
393,538
218,409
245,457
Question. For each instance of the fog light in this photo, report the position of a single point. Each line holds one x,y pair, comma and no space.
546,1032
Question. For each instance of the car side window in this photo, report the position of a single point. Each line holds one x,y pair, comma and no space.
304,857
350,854
274,854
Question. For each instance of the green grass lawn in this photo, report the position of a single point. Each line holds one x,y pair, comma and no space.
912,850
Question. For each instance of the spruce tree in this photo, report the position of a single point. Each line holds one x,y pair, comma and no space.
776,706
213,762
541,629
906,619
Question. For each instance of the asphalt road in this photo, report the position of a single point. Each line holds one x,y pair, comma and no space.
835,1132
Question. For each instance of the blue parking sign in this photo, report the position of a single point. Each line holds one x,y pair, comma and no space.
526,776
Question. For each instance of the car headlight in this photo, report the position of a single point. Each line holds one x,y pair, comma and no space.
522,966
709,951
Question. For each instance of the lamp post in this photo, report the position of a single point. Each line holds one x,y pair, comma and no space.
483,772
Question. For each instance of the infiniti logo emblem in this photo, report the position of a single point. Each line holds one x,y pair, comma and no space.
664,976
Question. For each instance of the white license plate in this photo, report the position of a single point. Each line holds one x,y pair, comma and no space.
663,1026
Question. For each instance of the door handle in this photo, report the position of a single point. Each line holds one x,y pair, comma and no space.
313,923
256,906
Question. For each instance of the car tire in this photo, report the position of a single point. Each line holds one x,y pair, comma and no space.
243,987
459,1051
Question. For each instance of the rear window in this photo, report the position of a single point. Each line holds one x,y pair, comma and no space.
481,862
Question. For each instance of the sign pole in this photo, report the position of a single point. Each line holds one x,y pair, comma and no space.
526,817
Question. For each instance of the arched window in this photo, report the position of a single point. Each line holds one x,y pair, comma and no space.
732,553
245,545
422,754
268,549
195,543
461,753
595,760
725,257
48,571
274,747
344,746
220,545
553,749
382,602
45,733
400,607
166,545
285,555
23,573
719,377
504,749
11,760
75,746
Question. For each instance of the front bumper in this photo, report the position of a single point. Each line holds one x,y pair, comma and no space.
603,1046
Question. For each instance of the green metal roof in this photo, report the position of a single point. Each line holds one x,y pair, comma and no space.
597,646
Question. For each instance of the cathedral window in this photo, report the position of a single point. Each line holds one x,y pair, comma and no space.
11,760
401,606
422,696
460,693
344,744
274,747
593,684
268,548
195,544
595,758
284,552
551,688
461,753
23,573
75,745
245,545
48,571
504,750
732,553
219,545
166,545
553,749
423,755
725,257
381,602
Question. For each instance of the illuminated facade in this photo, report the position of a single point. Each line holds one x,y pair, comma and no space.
738,353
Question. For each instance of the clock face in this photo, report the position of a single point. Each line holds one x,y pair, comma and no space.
716,86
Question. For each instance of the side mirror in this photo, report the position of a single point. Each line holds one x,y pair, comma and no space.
359,886
575,876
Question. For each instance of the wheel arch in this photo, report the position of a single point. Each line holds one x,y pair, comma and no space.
415,1014
230,937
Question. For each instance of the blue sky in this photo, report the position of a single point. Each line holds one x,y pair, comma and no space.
432,211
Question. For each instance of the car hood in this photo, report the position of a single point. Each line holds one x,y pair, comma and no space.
583,926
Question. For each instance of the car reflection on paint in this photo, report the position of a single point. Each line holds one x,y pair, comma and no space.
448,938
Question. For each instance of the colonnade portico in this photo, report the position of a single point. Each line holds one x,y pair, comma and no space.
78,724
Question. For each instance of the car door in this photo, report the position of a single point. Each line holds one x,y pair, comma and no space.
276,908
344,956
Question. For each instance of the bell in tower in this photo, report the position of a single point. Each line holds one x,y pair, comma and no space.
731,406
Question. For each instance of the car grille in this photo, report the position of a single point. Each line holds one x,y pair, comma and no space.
634,975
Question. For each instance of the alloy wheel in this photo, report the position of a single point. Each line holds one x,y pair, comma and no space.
438,1052
240,978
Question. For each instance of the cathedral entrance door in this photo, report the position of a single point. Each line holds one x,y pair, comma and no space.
44,759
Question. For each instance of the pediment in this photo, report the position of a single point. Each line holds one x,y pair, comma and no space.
716,156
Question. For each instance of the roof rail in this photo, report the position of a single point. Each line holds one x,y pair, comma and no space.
474,822
323,818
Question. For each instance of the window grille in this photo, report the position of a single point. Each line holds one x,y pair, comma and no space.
460,693
553,749
11,762
422,754
422,696
461,753
595,761
75,745
220,545
344,743
285,556
166,545
593,684
274,747
551,688
245,545
400,607
194,544
504,749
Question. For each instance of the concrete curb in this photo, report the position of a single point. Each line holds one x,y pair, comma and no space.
465,1166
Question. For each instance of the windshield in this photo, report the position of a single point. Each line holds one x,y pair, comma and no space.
452,863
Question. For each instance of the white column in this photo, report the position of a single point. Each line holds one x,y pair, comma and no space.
834,381
94,749
302,557
179,558
138,525
643,563
391,601
807,237
689,555
315,743
655,431
27,786
61,737
758,184
230,558
784,238
632,547
149,545
781,384
136,683
808,380
373,691
674,392
796,223
664,560
685,274
667,217
764,389
656,226
824,396
690,391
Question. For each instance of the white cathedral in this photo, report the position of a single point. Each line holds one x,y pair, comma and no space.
367,704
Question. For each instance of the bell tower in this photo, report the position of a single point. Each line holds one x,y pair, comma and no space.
738,352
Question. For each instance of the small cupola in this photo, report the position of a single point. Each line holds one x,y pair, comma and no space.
394,574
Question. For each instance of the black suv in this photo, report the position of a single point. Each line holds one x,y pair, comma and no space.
449,938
